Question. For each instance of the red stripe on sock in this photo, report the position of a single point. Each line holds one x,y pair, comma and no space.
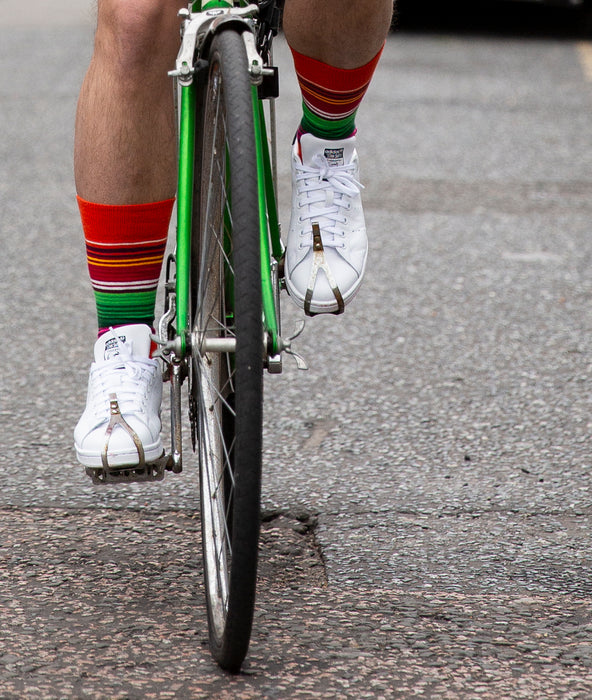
330,90
125,243
106,224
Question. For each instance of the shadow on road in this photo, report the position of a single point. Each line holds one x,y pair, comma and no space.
495,17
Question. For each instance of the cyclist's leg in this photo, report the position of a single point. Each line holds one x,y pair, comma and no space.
336,48
125,178
124,144
344,35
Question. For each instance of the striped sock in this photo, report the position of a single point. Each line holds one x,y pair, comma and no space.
125,247
331,96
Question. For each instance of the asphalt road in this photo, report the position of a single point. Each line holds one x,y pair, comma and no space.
427,482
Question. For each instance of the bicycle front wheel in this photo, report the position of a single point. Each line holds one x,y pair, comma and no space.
227,352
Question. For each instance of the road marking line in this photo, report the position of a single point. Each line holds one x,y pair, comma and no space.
585,53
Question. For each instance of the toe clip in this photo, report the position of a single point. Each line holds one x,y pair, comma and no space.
117,419
123,474
319,262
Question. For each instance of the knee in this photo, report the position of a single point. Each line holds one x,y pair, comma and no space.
133,34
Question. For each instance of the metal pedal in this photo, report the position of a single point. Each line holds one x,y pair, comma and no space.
286,346
127,475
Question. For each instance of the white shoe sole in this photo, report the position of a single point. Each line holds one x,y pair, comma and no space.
122,458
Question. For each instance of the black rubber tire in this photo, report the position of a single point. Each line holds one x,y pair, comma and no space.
227,387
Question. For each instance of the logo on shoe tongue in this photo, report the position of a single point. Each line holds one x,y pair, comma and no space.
112,347
334,156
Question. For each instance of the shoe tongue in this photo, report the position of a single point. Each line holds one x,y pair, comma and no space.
336,152
135,337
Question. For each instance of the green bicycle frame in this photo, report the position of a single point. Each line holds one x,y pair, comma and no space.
185,208
269,230
199,5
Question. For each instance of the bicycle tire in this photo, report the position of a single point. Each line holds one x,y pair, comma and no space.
227,387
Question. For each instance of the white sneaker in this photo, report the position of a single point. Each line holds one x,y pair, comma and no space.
327,244
121,423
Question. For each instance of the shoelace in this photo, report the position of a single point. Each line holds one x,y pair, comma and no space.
126,375
325,190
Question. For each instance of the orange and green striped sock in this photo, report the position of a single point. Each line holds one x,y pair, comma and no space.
331,96
125,246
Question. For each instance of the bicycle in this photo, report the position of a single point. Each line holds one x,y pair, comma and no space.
221,325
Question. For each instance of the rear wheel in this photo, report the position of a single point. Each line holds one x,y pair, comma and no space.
227,349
